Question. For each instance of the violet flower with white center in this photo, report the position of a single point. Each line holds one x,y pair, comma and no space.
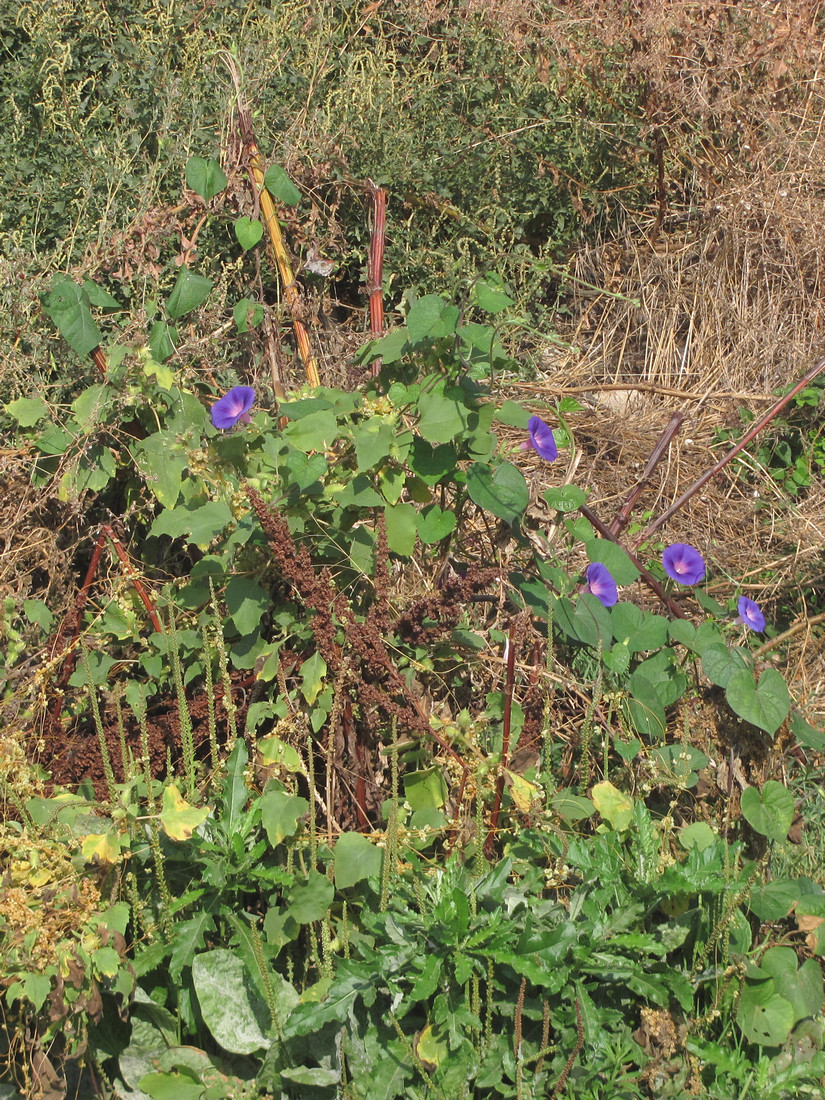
232,407
600,584
683,563
750,614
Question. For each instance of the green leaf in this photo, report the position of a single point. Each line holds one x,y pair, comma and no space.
491,297
373,441
356,858
278,183
173,1085
802,987
310,901
401,528
37,612
770,811
646,713
230,1005
27,410
247,314
68,307
443,414
248,231
162,467
720,663
313,432
514,414
189,292
434,524
500,490
162,341
280,813
766,1018
313,673
247,603
430,463
765,704
431,318
565,498
199,525
205,177
425,789
808,736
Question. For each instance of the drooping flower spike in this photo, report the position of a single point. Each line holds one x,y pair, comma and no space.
750,614
683,563
541,438
232,407
600,584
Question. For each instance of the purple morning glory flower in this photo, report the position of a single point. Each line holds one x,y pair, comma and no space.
601,584
233,406
751,615
541,437
683,564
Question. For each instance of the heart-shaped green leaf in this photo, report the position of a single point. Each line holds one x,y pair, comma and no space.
248,231
769,811
281,186
205,177
502,490
765,705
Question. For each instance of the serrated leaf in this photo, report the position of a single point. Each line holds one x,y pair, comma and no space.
205,177
178,819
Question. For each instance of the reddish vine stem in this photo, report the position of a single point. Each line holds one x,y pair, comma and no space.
67,635
375,273
646,575
505,735
773,411
621,518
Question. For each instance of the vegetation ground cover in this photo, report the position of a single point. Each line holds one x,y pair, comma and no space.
373,738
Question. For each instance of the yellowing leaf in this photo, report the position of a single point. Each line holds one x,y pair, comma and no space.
614,806
272,750
101,848
178,818
522,791
430,1051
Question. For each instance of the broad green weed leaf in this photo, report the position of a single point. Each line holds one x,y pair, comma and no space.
435,524
278,183
765,704
442,415
803,987
27,410
514,414
199,525
98,297
310,901
189,292
425,789
174,1085
280,813
205,177
248,232
162,343
401,528
230,1005
273,751
356,858
247,314
68,307
565,498
247,603
178,818
720,663
491,296
769,811
313,673
500,490
764,1015
162,466
313,432
103,848
431,317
